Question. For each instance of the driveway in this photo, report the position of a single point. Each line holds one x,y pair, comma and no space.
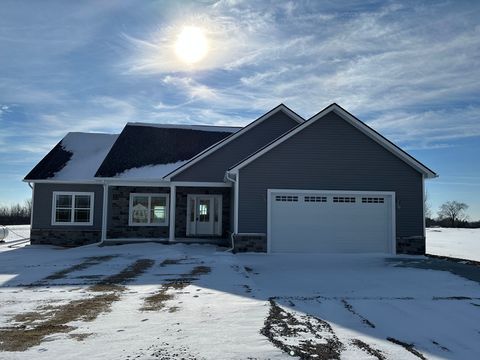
154,301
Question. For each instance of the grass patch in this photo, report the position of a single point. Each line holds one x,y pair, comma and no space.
31,328
157,301
85,264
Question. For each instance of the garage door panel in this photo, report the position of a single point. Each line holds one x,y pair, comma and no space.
322,225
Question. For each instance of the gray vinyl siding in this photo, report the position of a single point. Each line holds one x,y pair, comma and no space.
42,205
330,154
212,168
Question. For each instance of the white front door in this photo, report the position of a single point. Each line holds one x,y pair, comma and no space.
204,215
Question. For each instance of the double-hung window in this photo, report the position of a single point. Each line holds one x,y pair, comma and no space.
148,209
72,208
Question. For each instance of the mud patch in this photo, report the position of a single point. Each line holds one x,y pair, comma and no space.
368,349
444,348
85,264
168,290
80,336
409,347
305,336
31,328
350,308
166,351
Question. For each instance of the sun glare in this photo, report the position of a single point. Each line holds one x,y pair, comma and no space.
191,45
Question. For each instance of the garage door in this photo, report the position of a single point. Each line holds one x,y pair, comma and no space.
330,222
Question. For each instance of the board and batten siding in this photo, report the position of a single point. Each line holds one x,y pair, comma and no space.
42,205
330,154
212,167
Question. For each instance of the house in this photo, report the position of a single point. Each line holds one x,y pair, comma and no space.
280,184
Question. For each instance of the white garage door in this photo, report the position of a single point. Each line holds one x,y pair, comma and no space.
330,222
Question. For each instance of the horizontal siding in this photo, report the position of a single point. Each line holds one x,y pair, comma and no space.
330,154
213,167
42,205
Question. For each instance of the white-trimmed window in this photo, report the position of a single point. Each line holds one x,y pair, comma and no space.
72,208
148,209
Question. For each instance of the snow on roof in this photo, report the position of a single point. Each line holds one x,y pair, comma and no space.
230,129
149,172
88,151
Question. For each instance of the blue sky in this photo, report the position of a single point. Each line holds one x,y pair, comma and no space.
411,70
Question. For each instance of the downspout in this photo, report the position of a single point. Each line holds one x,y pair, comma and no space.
31,210
103,235
232,235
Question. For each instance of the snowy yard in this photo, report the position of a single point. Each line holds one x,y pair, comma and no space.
455,243
153,301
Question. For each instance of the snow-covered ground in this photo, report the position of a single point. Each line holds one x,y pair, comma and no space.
17,232
151,301
455,243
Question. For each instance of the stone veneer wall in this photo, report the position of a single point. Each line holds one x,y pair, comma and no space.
250,243
413,245
119,203
181,208
64,237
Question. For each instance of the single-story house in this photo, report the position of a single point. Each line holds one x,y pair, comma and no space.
280,184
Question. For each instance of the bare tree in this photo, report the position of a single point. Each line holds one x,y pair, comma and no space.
453,211
427,206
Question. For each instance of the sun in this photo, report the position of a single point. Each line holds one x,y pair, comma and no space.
191,45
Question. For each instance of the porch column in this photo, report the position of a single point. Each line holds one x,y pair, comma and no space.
171,228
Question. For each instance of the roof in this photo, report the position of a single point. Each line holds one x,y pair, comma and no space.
150,151
360,125
232,137
76,157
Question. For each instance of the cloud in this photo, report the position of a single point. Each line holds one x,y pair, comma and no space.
408,70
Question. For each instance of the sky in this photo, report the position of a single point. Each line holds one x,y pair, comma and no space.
411,70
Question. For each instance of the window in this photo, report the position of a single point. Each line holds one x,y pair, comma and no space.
315,199
288,198
148,210
72,208
343,199
373,200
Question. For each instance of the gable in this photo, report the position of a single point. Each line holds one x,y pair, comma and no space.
346,117
333,148
212,167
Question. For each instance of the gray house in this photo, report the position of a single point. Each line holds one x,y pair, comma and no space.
280,184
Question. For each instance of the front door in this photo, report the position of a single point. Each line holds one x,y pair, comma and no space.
204,215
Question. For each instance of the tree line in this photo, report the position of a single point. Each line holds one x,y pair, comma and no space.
16,214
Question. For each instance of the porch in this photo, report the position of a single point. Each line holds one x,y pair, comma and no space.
170,214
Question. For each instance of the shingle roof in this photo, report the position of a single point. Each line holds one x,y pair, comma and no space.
143,145
140,149
76,157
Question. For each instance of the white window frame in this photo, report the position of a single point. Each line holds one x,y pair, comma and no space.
72,217
149,195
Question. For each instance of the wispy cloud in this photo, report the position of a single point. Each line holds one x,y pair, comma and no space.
410,70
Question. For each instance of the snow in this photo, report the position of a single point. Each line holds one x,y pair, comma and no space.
211,128
17,232
219,315
89,151
455,243
150,171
